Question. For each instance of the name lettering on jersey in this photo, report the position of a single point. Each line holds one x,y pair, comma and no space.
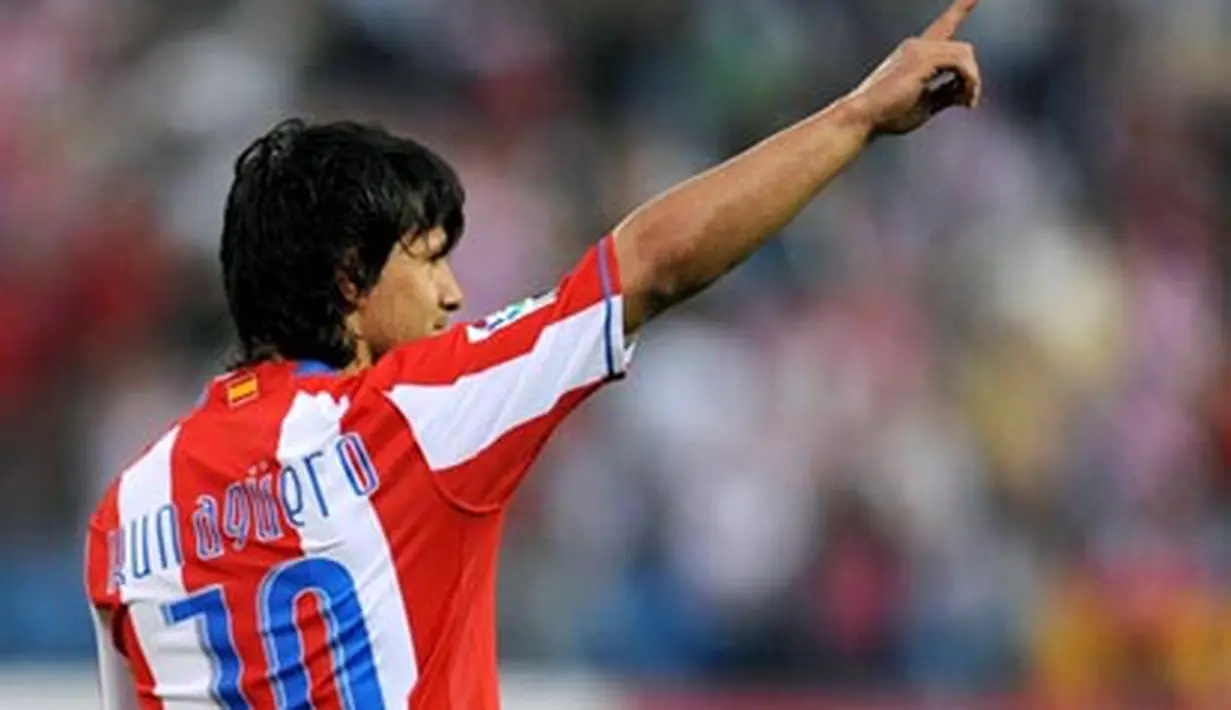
508,315
142,544
205,528
256,509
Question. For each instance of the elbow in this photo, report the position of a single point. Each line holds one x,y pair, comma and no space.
669,282
655,263
667,276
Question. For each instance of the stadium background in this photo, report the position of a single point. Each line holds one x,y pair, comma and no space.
965,431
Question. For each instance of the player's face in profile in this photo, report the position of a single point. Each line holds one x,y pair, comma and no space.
413,298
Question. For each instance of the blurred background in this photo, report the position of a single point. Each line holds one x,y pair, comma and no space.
964,432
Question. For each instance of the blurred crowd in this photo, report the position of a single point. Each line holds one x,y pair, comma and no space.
965,427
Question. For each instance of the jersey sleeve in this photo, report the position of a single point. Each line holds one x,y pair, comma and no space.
103,552
482,399
114,681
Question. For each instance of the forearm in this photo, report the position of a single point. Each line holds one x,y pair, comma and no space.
683,240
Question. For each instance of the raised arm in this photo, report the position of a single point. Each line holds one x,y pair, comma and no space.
683,240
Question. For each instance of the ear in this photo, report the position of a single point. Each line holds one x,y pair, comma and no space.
342,275
356,301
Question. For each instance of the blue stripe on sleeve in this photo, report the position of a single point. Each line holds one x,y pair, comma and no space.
604,274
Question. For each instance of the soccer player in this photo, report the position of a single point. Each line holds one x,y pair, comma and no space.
322,530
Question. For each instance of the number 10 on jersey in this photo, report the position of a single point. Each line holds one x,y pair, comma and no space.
350,646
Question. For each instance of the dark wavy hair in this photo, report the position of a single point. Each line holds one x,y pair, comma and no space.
315,207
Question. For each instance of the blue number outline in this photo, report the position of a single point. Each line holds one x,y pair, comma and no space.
349,643
208,607
354,664
364,480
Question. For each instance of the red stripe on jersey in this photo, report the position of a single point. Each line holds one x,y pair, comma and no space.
445,358
130,645
486,482
218,448
318,656
445,550
400,505
441,572
104,551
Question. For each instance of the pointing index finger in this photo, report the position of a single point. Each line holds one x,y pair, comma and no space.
946,26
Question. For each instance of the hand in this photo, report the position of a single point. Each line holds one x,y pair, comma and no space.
894,100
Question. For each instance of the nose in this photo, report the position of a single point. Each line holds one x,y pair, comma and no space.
451,296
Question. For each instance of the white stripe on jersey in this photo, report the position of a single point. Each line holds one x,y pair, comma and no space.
182,672
455,422
352,536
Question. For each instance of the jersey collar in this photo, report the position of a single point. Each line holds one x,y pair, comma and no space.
306,368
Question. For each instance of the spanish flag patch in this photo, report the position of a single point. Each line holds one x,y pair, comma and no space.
242,390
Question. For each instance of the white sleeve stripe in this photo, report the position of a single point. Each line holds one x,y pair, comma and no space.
454,423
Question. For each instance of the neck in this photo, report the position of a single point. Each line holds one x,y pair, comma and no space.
362,361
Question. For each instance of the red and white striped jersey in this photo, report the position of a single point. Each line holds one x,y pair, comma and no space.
307,539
